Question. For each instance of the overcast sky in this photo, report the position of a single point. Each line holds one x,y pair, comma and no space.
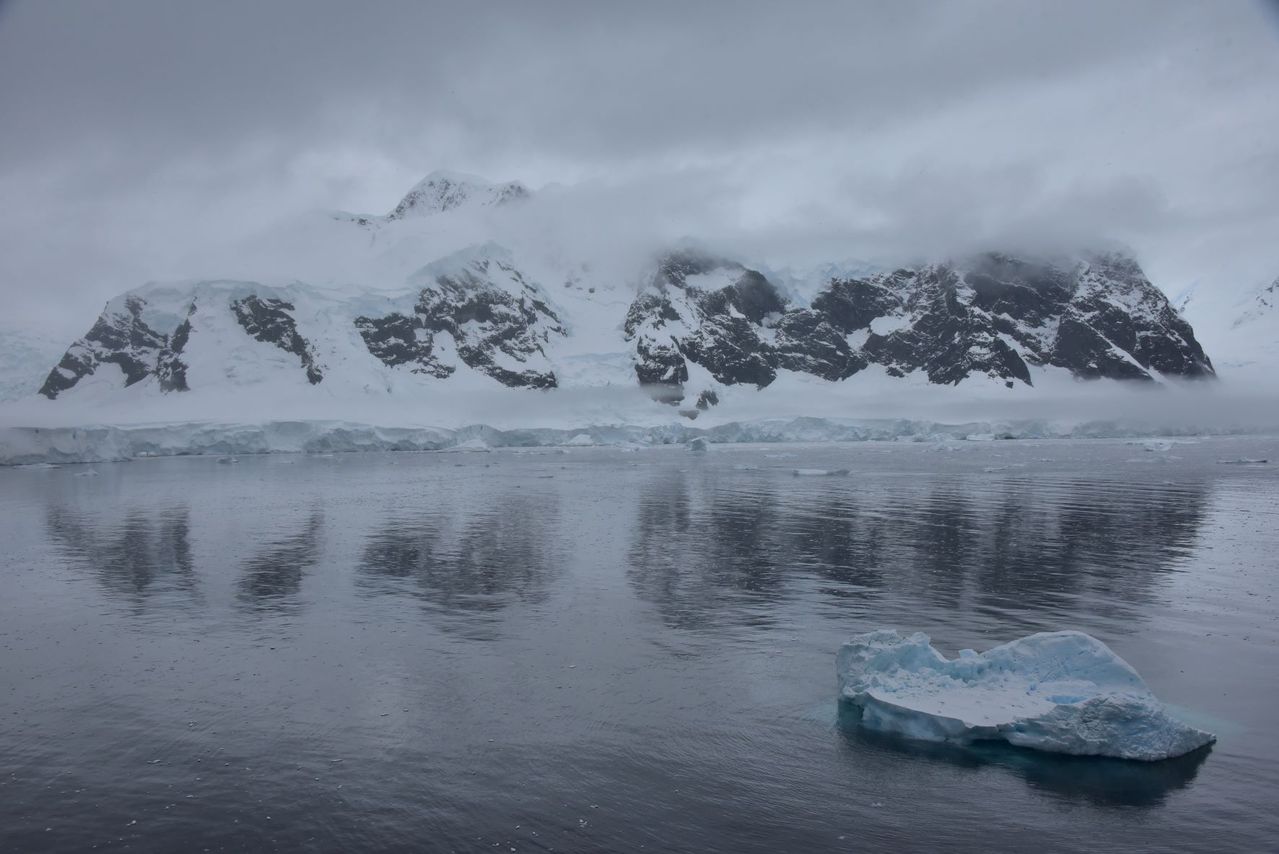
134,131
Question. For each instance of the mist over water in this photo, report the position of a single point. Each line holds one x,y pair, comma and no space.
606,650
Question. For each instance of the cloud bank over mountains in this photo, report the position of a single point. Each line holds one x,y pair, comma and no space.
165,136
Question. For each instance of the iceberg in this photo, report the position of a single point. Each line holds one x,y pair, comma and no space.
1063,692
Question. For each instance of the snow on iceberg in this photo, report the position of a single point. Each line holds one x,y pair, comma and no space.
1064,692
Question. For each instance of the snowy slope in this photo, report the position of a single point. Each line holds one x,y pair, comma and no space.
1241,328
1252,344
25,360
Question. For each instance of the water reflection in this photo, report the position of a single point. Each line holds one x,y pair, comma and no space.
692,553
700,545
1118,536
714,733
144,554
839,539
1099,781
471,565
273,577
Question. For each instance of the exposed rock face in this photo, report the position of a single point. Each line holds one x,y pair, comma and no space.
809,342
993,315
271,322
124,336
708,311
395,341
169,368
1114,299
121,337
484,311
940,331
474,309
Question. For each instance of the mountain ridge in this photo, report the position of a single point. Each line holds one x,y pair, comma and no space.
681,330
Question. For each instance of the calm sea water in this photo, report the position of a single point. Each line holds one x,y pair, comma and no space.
608,651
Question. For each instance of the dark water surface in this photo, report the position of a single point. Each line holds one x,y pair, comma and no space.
598,650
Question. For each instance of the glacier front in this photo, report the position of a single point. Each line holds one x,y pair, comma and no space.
1063,692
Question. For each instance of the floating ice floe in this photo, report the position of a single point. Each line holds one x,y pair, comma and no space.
819,472
1064,692
1157,445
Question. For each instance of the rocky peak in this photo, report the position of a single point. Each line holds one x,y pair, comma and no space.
271,321
708,310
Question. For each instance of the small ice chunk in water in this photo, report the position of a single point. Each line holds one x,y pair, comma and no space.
698,445
819,472
1064,692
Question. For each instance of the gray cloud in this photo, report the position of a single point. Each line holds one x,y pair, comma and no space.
139,132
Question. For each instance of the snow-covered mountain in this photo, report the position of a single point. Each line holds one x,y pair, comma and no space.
442,319
993,316
473,311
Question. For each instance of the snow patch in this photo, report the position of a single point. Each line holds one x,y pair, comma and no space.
889,324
